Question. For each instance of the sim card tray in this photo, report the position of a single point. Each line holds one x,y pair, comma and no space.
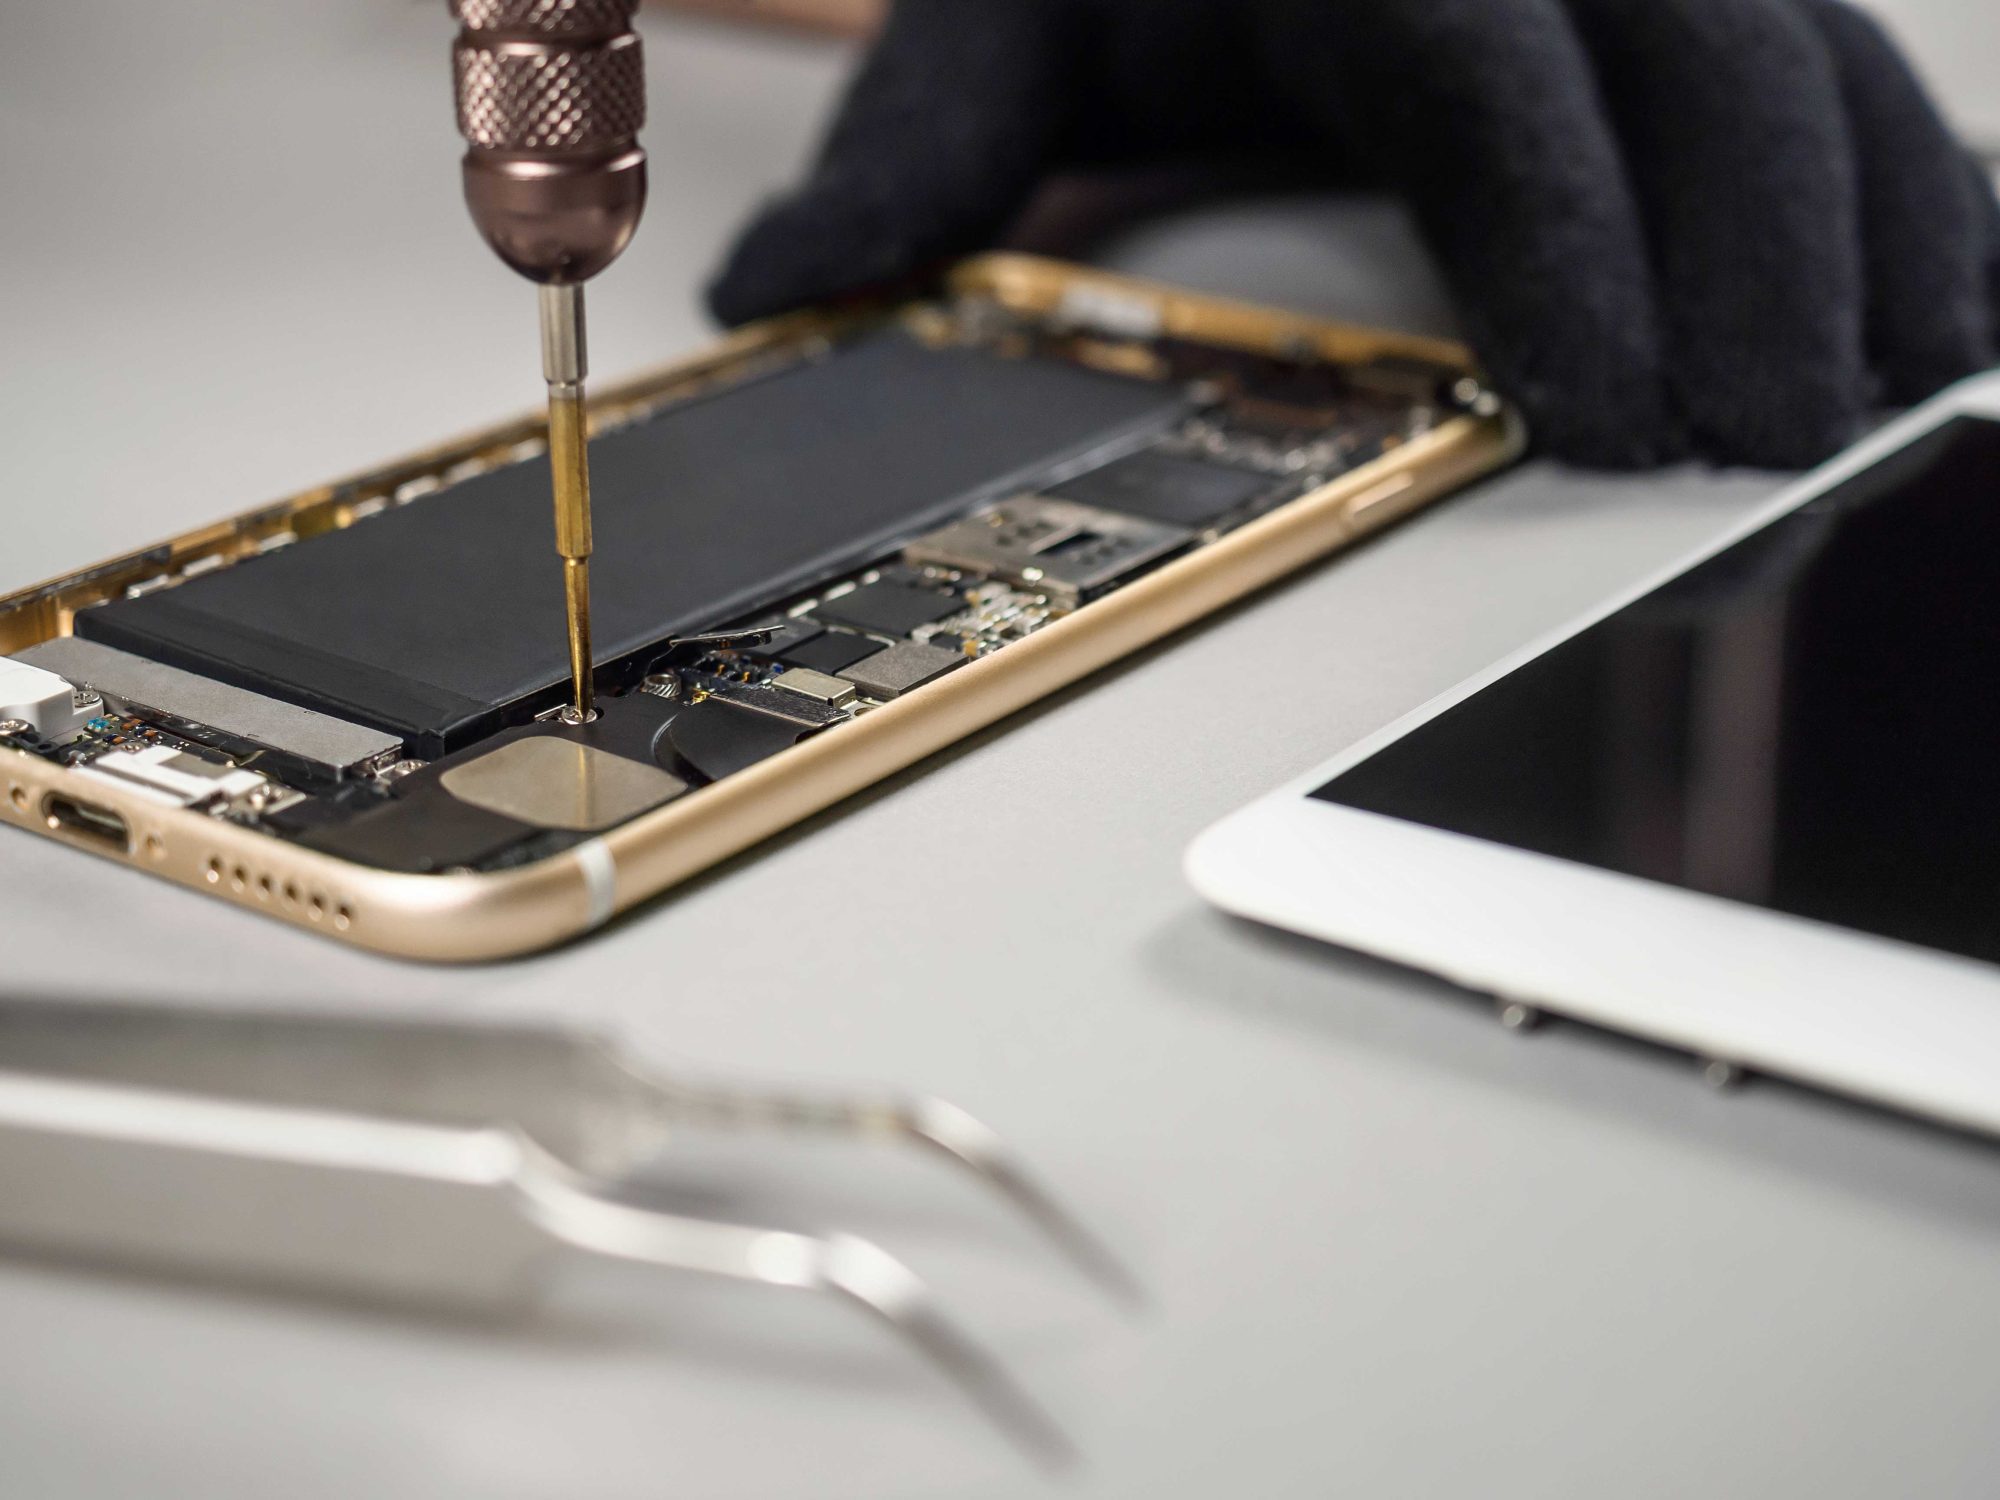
445,1164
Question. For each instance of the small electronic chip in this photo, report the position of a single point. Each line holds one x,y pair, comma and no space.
766,699
1166,487
164,774
891,609
792,633
894,672
817,686
832,652
1068,551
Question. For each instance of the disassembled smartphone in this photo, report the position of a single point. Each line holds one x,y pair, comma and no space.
832,546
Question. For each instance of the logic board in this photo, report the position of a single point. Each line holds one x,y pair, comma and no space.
797,540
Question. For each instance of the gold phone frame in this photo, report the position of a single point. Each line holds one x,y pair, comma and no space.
469,917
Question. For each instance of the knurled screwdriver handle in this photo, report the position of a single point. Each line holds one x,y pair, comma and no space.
551,99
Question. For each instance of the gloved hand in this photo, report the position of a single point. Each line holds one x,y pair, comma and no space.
1727,228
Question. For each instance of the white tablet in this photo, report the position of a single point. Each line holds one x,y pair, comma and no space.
1750,808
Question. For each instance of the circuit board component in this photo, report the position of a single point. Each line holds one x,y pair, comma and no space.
316,743
1171,488
901,669
176,778
830,652
887,608
817,686
1074,552
41,702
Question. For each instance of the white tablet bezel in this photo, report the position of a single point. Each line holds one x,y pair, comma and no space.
1866,1016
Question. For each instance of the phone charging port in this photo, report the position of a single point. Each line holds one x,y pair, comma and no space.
97,825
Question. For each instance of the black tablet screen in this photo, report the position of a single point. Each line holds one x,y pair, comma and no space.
1808,721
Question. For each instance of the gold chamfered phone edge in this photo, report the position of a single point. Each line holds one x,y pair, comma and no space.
466,917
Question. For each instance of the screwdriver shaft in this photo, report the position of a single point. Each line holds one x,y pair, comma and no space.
564,365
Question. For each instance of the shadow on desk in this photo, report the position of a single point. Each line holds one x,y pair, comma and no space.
1335,997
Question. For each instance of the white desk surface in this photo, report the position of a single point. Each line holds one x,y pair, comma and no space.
1393,1251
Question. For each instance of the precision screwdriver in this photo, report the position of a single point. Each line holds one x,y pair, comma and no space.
551,98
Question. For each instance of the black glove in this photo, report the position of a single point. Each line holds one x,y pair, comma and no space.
1719,227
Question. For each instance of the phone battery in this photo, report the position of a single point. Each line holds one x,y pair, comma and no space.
441,620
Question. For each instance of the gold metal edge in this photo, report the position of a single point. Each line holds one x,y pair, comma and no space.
458,918
1035,284
443,918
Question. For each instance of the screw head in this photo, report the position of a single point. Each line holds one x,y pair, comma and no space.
1720,1075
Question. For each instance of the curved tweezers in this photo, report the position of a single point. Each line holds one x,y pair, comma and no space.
441,1163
